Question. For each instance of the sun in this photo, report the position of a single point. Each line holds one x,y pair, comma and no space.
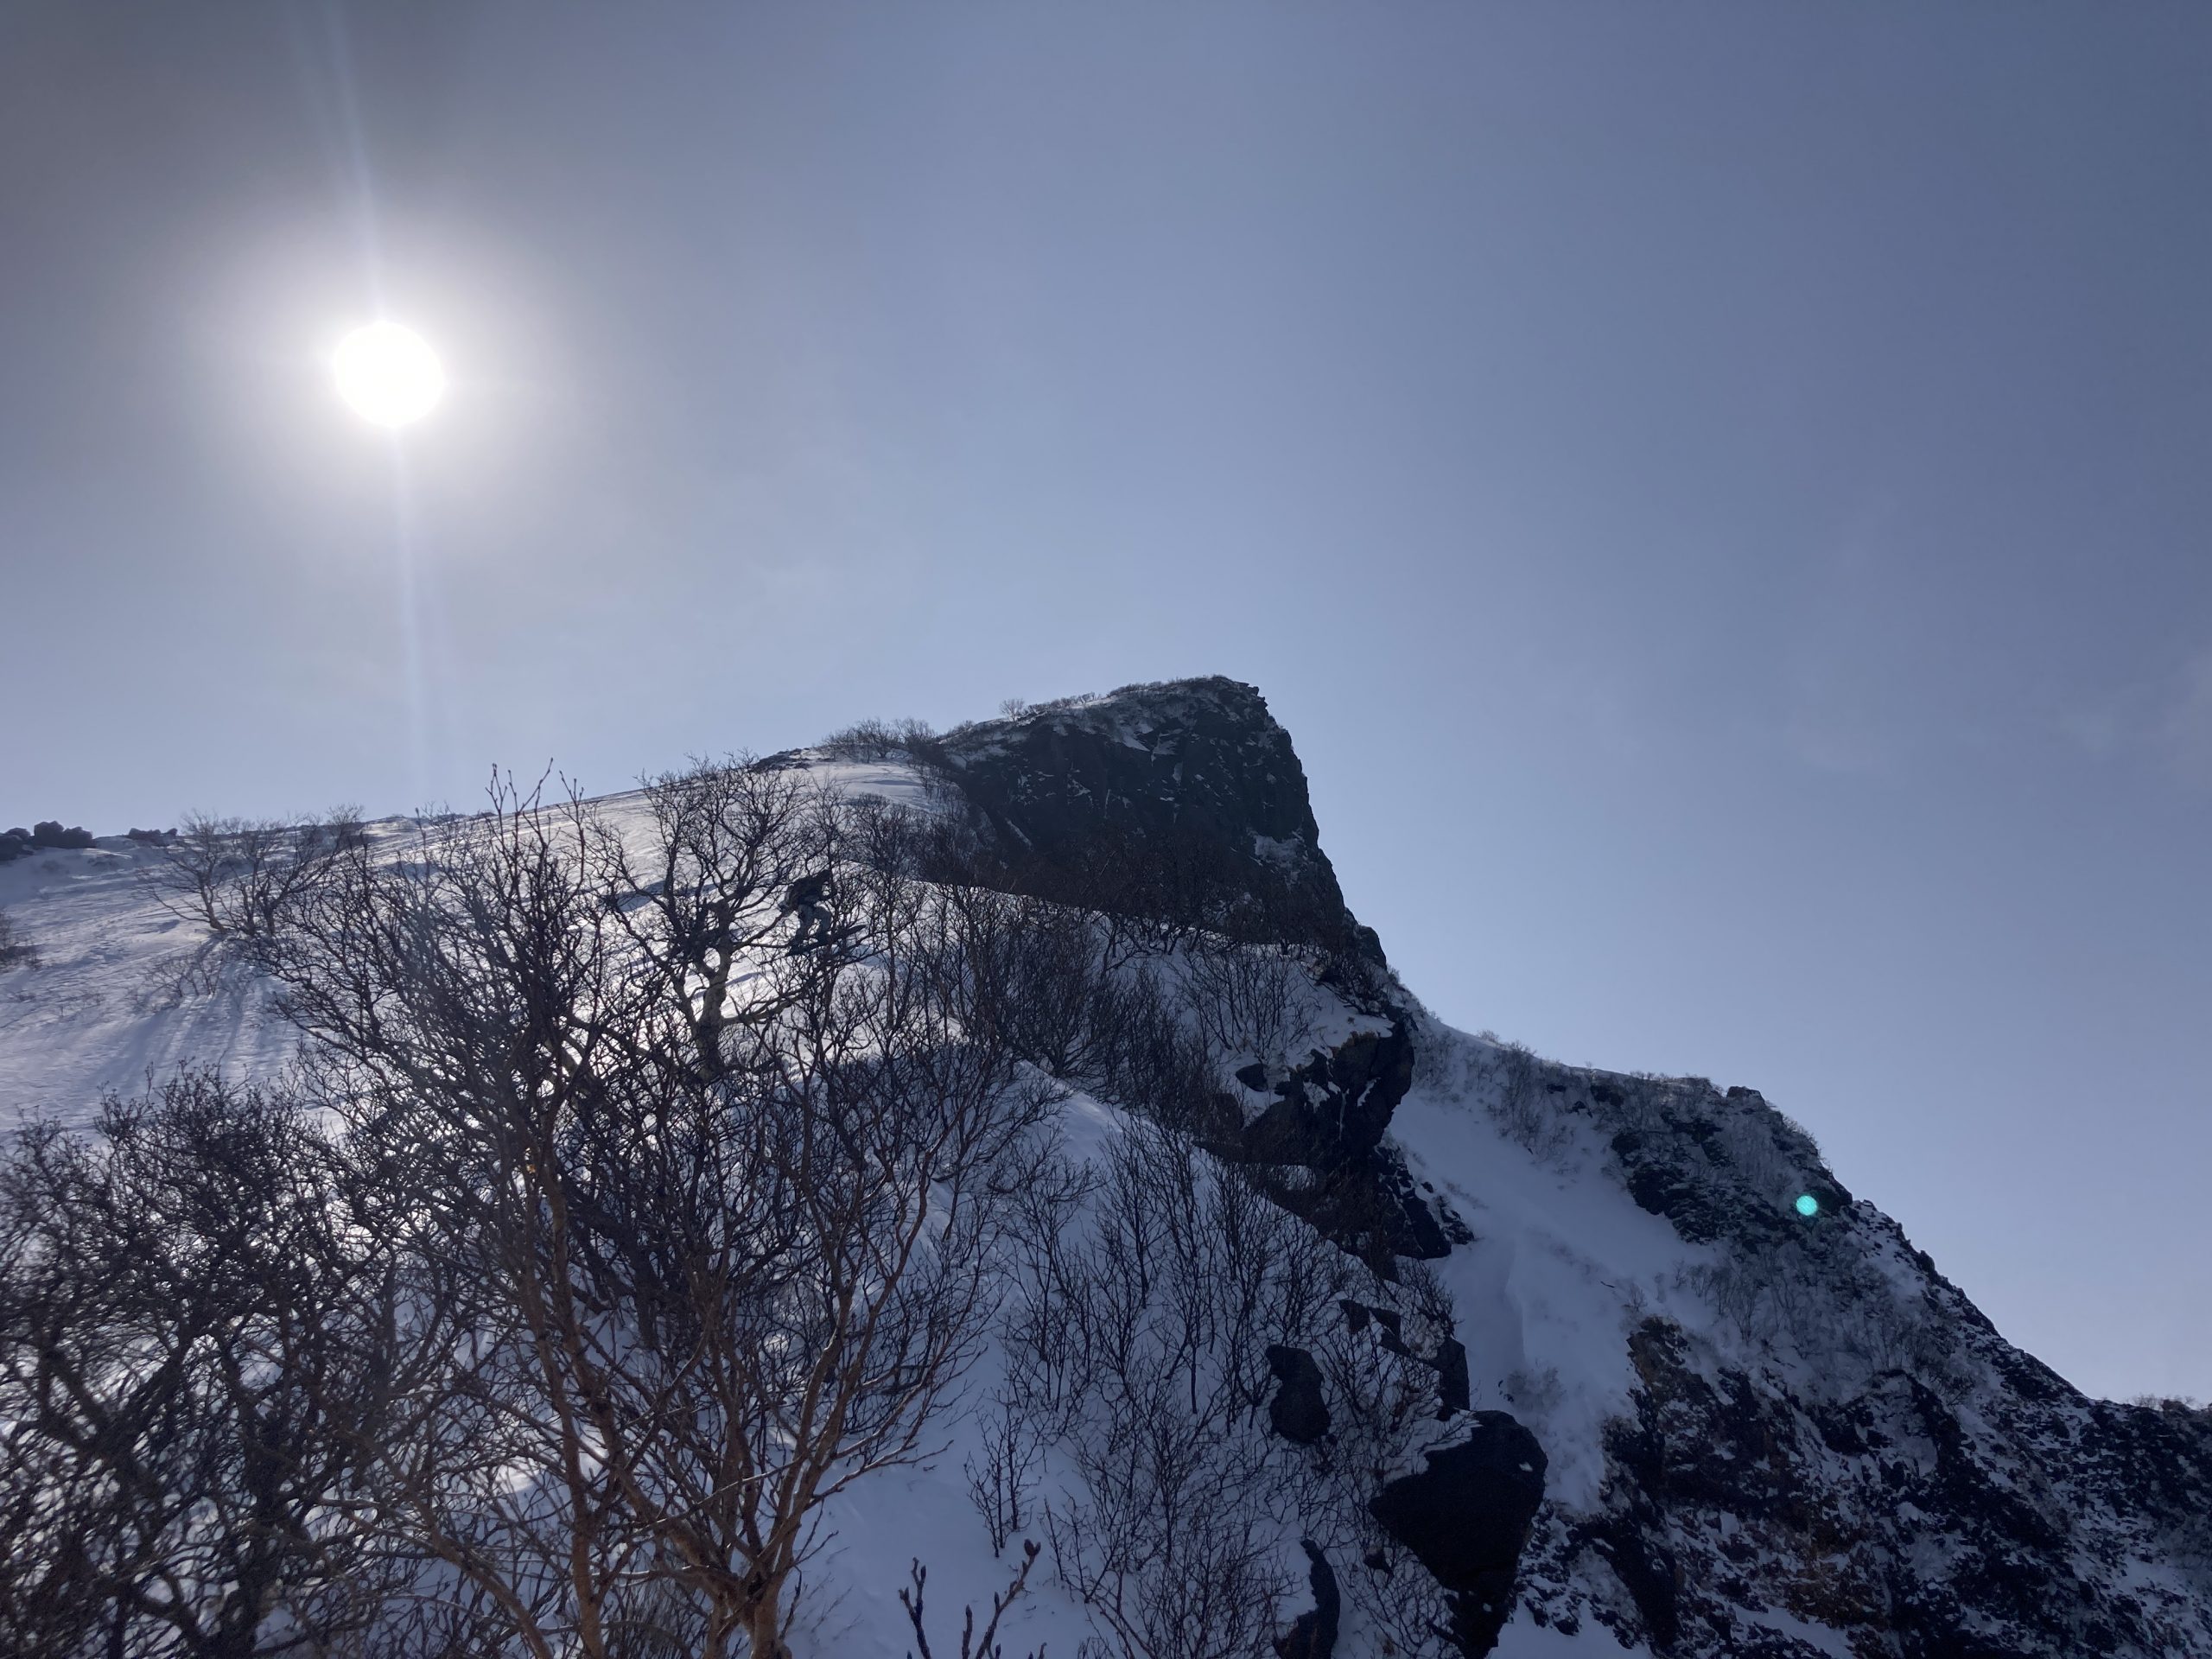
388,374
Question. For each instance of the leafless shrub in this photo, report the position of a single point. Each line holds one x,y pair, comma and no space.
2182,1406
1145,1054
1512,1080
1001,1483
882,740
1142,1345
1036,976
15,950
1139,1346
1251,999
237,877
1844,1315
971,1647
1535,1392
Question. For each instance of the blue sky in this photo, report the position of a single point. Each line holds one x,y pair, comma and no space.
1719,494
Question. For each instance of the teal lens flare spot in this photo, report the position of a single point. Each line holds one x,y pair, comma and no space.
1808,1204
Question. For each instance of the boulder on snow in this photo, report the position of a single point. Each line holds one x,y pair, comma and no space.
1452,1392
1466,1516
1314,1634
49,833
1333,1109
1297,1412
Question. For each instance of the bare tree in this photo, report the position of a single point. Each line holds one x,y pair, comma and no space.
1140,1345
236,877
1250,999
1002,1482
732,1216
191,1370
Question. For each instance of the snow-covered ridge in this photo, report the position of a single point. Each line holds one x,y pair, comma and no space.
119,993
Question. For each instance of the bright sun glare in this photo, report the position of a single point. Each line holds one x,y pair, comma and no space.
388,374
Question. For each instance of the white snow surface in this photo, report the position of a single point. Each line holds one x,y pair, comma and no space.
107,1006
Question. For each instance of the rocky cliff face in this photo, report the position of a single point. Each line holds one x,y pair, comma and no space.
1822,1447
1851,1446
1188,789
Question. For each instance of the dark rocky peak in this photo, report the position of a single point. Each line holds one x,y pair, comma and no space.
1184,797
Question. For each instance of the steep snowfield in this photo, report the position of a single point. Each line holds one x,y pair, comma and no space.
1562,1265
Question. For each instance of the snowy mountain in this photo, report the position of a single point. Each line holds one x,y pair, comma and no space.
1547,1361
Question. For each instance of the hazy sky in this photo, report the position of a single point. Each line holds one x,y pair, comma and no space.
1719,494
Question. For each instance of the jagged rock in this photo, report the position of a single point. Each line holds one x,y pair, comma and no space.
1297,1412
1452,1385
1190,789
49,833
1466,1516
1314,1634
1677,1159
1330,1115
1335,1107
1186,800
1918,1522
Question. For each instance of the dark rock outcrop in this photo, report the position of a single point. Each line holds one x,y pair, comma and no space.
1314,1634
1452,1384
1857,1449
1466,1516
1680,1154
1297,1412
1334,1109
1329,1117
1185,803
1907,1521
1179,799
